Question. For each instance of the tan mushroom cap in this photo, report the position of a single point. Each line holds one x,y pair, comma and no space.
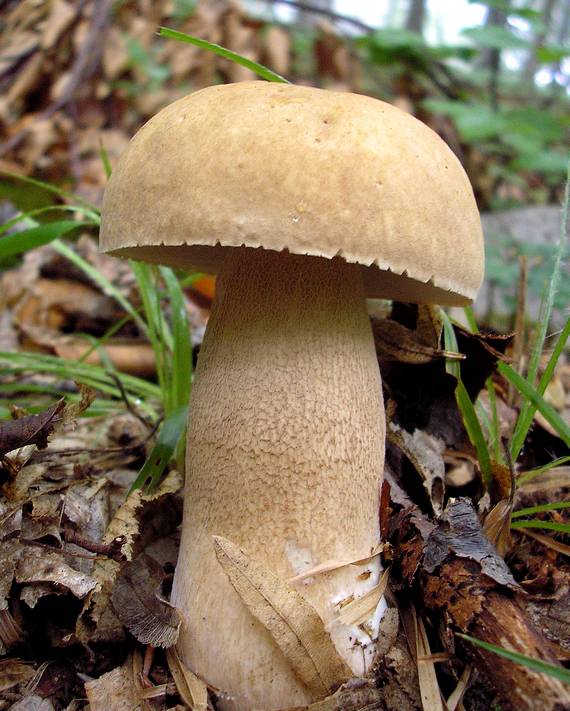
315,172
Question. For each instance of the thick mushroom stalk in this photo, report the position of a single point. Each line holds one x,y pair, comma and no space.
284,458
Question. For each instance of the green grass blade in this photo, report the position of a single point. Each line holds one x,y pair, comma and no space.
163,451
527,412
546,410
470,318
27,216
524,419
19,242
466,407
529,662
182,344
473,427
97,343
51,189
527,476
92,375
259,69
158,331
541,508
95,275
105,160
547,525
495,423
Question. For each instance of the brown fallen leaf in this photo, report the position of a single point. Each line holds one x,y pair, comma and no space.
137,603
429,325
193,691
133,357
292,622
61,16
97,621
31,429
35,565
359,610
33,702
547,541
397,342
328,565
115,690
14,672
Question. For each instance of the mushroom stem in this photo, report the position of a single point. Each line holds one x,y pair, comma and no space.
284,458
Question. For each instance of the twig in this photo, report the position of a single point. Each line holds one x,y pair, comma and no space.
126,400
335,16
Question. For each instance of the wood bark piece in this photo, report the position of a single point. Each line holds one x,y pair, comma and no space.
461,576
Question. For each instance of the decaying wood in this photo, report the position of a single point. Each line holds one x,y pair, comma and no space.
461,576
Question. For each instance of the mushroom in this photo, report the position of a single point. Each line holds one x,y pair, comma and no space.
304,202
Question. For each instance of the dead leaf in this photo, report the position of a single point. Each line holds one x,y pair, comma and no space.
361,609
396,342
497,526
32,703
115,690
137,603
328,565
36,565
429,325
289,618
425,452
14,672
31,429
10,632
193,691
547,541
97,620
60,18
133,357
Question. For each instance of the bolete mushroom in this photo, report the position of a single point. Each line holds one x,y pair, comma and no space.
304,202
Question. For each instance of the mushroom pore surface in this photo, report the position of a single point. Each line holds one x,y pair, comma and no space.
285,455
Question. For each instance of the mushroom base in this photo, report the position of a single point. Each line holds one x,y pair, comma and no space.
285,456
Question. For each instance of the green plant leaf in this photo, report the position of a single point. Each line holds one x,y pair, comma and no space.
181,365
527,476
495,37
537,401
95,275
259,69
163,451
529,662
552,53
48,187
466,407
19,242
541,508
534,397
475,122
95,376
546,525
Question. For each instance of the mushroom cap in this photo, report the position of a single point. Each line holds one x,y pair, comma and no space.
315,172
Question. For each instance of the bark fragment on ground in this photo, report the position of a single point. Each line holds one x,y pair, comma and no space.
461,576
